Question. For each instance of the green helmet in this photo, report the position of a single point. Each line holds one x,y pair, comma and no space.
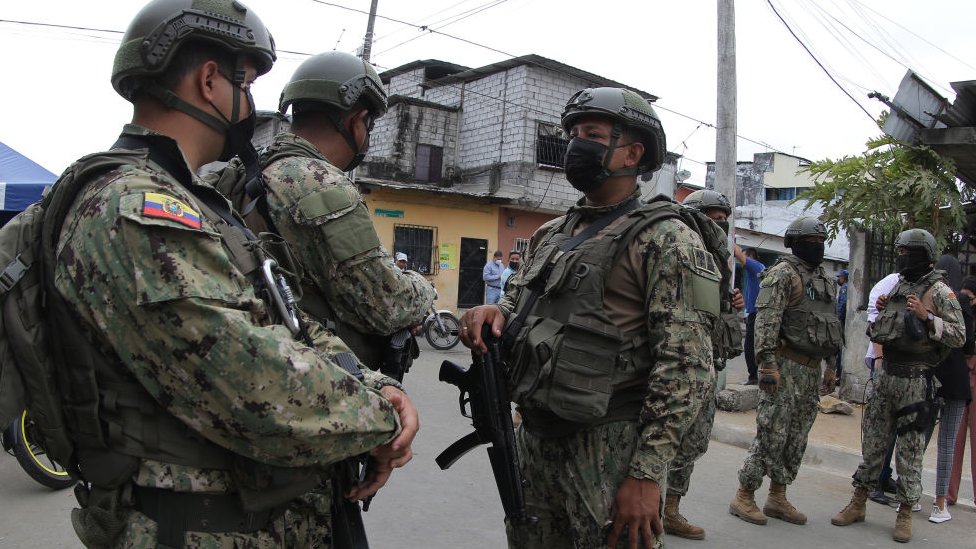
626,108
707,199
917,238
803,226
338,79
159,30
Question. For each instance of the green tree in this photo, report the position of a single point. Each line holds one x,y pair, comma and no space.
890,187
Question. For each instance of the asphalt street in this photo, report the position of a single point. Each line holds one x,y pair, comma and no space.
424,507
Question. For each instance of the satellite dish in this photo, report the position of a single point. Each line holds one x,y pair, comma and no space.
682,176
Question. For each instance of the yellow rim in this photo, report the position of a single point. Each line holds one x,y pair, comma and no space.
23,434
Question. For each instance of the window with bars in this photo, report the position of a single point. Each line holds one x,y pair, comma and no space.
550,145
879,260
420,245
521,244
428,164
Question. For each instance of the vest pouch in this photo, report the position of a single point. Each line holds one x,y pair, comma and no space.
535,269
566,275
531,359
888,328
826,335
583,366
730,335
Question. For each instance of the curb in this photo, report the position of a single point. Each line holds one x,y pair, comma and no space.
833,457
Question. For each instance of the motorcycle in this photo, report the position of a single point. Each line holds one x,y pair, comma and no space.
441,328
21,440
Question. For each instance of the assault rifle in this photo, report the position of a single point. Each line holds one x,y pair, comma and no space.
484,399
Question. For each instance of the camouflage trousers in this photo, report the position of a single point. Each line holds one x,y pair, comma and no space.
693,445
574,480
878,429
307,523
783,422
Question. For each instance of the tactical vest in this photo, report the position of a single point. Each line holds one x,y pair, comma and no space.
570,367
113,422
249,196
812,327
905,344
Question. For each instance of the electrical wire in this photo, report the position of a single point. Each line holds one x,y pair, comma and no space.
469,14
819,64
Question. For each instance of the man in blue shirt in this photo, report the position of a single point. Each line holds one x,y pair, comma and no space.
842,315
750,260
492,275
514,259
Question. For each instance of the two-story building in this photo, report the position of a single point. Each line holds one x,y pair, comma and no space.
467,161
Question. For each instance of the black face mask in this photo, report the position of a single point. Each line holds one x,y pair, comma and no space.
724,225
513,265
811,252
584,164
358,153
237,135
913,265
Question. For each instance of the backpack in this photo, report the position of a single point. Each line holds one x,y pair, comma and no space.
28,242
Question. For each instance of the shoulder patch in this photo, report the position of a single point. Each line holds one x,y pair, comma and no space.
166,207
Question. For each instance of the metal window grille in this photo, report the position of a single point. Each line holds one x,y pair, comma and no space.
550,145
879,251
522,244
420,245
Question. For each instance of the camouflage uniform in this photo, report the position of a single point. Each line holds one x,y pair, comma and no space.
893,392
694,444
160,295
784,419
648,293
338,248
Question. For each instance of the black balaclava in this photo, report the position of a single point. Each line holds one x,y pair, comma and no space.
809,251
913,265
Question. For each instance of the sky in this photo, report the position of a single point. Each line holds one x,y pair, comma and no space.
57,103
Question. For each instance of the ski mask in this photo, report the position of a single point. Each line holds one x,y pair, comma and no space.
913,265
811,252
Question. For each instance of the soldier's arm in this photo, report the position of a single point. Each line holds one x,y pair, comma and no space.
948,325
679,333
183,320
774,294
323,216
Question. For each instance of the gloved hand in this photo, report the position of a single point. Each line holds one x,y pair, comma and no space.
768,381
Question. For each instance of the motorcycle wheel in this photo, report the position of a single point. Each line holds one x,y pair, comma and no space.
447,338
32,456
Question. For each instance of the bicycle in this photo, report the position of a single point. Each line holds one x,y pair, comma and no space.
22,440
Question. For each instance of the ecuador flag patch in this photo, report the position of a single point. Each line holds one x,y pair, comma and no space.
167,207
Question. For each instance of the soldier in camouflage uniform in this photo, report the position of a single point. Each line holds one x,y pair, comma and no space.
350,282
197,418
623,320
694,443
796,328
919,321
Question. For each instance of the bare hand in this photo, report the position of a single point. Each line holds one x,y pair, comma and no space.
473,319
738,302
636,506
914,305
398,452
881,303
740,256
376,477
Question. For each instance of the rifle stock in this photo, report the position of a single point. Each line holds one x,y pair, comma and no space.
483,390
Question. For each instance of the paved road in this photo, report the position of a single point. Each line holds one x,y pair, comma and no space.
423,507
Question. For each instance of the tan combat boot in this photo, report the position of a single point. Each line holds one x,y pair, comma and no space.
777,506
677,525
903,524
744,506
854,512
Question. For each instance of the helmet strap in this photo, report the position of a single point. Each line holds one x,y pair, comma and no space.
173,101
618,130
344,132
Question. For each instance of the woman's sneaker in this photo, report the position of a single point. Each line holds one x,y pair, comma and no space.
939,516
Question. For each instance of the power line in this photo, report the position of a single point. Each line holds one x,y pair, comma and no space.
473,11
819,64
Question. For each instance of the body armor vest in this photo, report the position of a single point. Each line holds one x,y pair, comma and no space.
570,366
905,338
812,327
113,422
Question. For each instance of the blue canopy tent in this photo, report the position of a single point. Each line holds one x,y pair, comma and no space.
22,181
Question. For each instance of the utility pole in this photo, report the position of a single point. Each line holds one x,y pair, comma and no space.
725,158
368,39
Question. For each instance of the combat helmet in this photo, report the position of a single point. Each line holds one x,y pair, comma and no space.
338,79
158,31
707,199
917,238
803,226
627,109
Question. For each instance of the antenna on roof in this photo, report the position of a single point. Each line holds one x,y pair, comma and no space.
334,48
